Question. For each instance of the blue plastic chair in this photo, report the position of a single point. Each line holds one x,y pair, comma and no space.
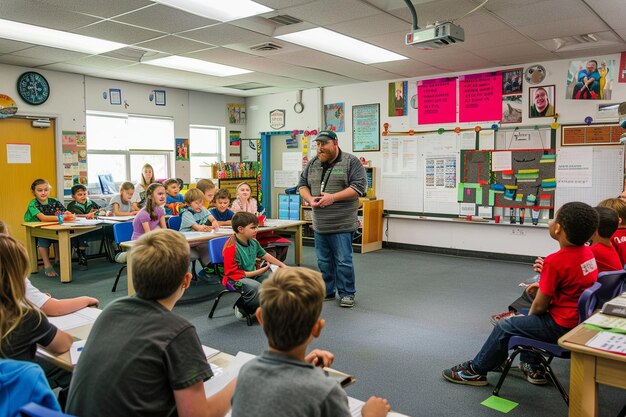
586,305
174,223
216,246
122,232
36,410
612,285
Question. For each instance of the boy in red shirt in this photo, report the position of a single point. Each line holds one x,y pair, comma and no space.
564,276
606,256
619,237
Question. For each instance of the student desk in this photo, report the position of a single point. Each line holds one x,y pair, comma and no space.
196,238
590,367
59,232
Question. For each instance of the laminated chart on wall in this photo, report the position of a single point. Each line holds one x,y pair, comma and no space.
475,177
420,173
607,176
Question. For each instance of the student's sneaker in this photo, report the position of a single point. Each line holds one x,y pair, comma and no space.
329,297
464,374
347,301
503,316
82,259
120,258
239,315
533,375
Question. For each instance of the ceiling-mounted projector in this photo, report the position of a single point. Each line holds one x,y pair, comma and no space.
435,36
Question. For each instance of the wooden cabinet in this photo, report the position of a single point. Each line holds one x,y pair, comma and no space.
368,237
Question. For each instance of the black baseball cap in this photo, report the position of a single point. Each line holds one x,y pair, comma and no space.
325,136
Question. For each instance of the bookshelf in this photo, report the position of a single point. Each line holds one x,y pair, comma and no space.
369,236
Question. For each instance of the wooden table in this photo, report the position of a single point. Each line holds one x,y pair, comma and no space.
197,238
590,367
54,231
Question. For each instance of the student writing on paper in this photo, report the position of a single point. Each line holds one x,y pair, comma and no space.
147,359
284,377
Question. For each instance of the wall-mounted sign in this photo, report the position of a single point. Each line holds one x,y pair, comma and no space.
277,119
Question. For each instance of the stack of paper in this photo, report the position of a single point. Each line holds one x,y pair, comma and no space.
609,342
76,319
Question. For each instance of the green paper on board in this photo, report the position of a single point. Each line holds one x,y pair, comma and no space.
499,404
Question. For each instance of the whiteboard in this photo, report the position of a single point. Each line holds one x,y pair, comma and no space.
420,173
607,178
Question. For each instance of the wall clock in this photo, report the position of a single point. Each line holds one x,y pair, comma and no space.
33,88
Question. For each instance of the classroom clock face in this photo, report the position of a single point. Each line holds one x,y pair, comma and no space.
33,88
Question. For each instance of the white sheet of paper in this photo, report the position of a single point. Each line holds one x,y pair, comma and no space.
274,268
209,352
217,383
501,161
612,342
78,318
75,350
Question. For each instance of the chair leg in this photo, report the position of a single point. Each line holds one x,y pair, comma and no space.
552,377
217,300
194,276
505,371
117,278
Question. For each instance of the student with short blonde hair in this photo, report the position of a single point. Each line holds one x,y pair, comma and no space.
120,204
284,377
156,365
147,178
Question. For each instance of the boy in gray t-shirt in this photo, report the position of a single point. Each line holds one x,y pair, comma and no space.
283,381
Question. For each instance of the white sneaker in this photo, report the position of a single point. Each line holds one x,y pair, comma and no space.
239,315
120,258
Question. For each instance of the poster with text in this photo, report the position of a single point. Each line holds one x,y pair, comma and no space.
74,146
480,97
436,101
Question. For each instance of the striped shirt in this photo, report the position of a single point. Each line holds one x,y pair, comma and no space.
346,171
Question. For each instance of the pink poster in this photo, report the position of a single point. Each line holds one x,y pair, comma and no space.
436,101
480,97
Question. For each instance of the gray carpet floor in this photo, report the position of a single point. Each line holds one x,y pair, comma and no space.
416,314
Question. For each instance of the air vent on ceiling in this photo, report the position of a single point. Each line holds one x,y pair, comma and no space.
247,86
581,42
266,46
285,20
127,54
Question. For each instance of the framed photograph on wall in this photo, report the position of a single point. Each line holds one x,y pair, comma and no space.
541,101
366,128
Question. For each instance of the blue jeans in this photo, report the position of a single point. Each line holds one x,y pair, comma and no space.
251,288
495,350
334,259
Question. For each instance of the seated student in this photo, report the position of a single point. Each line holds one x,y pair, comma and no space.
45,209
607,259
194,217
240,253
22,383
173,198
120,204
291,303
221,212
564,276
22,326
81,206
151,216
209,190
619,237
141,359
47,304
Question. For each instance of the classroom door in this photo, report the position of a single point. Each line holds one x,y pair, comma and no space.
16,178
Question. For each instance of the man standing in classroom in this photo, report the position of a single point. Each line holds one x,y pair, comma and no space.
331,184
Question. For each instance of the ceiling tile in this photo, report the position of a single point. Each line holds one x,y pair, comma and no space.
578,26
100,8
23,61
222,34
281,4
174,45
549,12
408,68
318,12
612,11
118,32
99,62
39,13
370,26
165,19
50,54
8,46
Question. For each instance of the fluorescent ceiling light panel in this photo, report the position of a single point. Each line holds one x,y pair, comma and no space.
55,38
196,65
341,45
222,10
